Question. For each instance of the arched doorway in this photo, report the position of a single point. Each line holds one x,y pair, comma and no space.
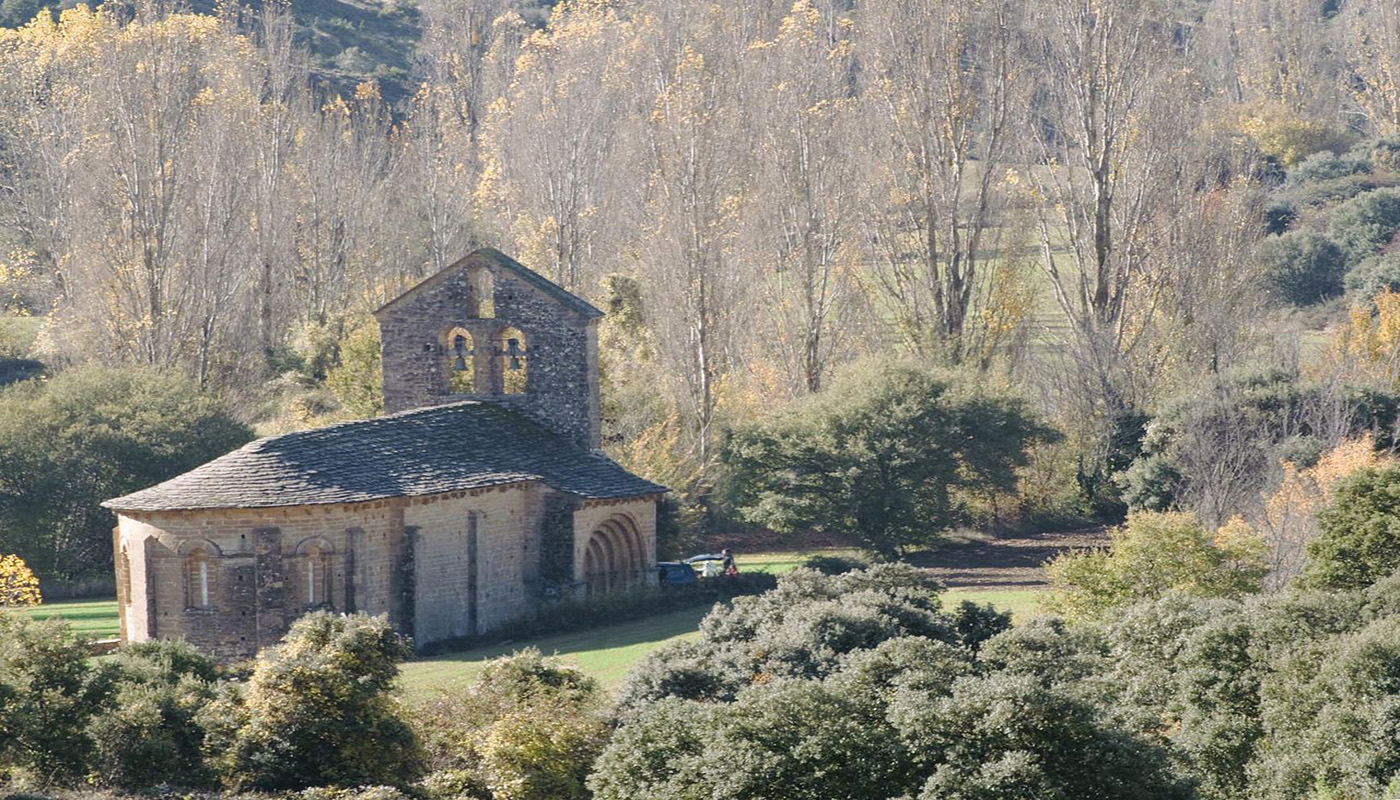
614,556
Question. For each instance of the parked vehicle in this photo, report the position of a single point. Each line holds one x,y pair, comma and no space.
675,573
708,565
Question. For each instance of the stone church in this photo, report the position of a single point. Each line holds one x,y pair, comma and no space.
481,493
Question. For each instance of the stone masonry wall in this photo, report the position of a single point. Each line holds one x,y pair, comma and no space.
560,343
256,584
257,589
450,600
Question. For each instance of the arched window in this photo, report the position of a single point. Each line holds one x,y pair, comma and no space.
513,355
481,294
124,575
310,574
199,578
458,363
316,575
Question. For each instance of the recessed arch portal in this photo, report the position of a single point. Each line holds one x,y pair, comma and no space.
614,556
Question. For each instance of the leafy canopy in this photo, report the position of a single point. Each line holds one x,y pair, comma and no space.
88,435
885,456
1153,554
1360,540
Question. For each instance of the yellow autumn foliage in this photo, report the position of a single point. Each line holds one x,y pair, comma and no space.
1289,518
1369,345
18,584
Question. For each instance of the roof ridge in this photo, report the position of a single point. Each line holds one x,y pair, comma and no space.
538,281
350,423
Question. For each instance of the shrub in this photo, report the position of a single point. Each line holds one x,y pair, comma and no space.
1011,736
880,457
1279,216
1383,153
976,624
528,728
1331,712
1326,165
48,694
1285,135
1374,275
1366,223
660,754
18,586
357,380
1302,268
150,736
1214,449
1360,539
540,756
319,711
804,628
1153,554
834,565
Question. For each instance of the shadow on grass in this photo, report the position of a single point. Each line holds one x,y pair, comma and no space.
648,630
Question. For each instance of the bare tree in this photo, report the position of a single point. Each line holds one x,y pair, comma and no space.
552,177
1104,116
1372,38
801,228
938,98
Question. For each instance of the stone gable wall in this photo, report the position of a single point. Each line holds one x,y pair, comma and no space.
561,346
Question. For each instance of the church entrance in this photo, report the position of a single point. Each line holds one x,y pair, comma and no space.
614,557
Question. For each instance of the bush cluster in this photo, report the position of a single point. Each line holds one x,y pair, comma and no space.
318,710
1154,554
861,685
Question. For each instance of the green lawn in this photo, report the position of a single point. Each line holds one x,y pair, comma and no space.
95,618
605,653
1022,603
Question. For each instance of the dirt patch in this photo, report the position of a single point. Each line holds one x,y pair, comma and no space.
765,541
1006,562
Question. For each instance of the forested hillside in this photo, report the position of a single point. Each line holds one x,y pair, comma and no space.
1164,229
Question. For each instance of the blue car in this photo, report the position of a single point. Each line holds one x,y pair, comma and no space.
675,573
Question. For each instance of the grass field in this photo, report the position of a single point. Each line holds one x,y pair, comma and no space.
606,653
96,618
1022,603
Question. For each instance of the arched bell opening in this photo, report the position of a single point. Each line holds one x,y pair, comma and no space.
458,365
513,356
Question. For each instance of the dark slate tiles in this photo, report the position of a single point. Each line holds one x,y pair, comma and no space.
468,445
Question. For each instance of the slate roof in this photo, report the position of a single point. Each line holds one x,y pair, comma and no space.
565,297
467,445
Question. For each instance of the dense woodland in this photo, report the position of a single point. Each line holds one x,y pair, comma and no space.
1151,222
